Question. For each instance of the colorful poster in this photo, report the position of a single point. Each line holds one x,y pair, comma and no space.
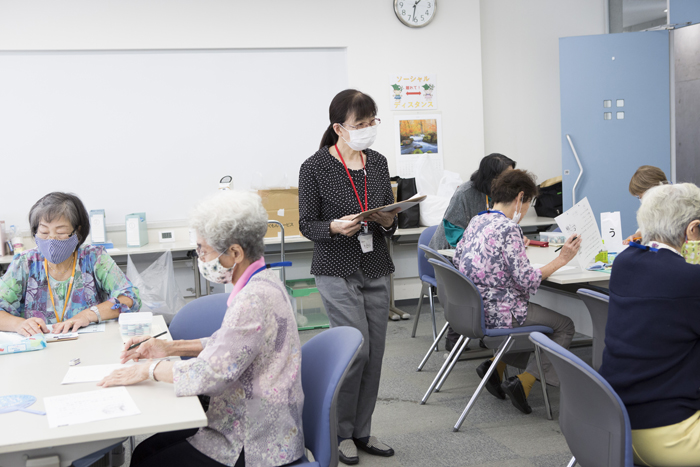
413,91
417,134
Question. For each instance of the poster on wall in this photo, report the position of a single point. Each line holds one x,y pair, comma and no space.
415,135
411,91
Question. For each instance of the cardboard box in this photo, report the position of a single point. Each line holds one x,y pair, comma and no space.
281,204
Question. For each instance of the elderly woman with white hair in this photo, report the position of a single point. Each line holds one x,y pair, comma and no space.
250,367
652,337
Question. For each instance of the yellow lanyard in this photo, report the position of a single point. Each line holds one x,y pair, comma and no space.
70,287
487,202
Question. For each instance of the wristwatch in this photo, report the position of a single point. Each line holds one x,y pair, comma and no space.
97,313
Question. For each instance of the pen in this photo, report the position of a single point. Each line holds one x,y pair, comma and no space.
563,245
152,337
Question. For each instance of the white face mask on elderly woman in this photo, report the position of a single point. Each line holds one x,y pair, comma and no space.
213,271
361,139
518,214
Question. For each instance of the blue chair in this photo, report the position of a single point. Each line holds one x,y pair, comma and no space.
591,415
325,360
427,277
597,304
464,310
199,318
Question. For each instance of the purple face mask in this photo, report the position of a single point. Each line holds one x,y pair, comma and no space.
57,251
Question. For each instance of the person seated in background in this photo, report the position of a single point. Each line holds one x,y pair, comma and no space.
652,337
250,367
61,281
646,176
492,254
467,201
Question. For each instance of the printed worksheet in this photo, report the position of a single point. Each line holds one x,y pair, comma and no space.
580,220
90,373
94,327
83,407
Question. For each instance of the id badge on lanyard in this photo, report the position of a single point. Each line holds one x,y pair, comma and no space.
365,238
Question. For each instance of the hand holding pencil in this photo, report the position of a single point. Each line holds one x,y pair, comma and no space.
569,248
144,347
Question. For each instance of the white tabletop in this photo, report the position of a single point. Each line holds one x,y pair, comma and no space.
40,373
538,255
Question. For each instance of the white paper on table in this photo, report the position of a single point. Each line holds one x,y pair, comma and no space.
580,220
94,327
83,407
90,373
611,231
561,269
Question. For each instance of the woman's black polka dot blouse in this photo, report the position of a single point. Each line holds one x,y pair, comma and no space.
325,193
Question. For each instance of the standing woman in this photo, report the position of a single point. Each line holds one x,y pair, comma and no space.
351,260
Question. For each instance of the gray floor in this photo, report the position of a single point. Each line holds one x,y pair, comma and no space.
494,433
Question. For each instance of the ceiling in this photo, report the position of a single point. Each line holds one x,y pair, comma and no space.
642,11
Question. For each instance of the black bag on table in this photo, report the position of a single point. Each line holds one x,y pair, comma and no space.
406,188
549,202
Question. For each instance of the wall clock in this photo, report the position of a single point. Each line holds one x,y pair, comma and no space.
415,13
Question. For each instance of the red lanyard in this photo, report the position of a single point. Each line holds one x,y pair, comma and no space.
366,206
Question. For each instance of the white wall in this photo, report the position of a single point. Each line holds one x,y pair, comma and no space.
520,64
377,46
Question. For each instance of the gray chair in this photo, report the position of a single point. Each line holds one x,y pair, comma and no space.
464,311
597,304
427,278
429,254
591,415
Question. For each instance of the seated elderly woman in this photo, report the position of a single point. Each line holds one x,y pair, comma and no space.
652,337
62,282
250,367
492,254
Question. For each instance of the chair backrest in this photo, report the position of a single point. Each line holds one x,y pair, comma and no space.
424,268
591,415
597,304
433,254
325,360
199,318
460,299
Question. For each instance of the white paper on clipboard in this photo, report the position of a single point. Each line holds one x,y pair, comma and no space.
580,220
403,205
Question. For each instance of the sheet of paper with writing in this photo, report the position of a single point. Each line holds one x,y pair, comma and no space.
581,221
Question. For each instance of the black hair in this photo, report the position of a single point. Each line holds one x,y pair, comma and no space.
490,167
509,184
57,204
344,105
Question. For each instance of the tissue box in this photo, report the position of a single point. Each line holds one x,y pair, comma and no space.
135,324
11,342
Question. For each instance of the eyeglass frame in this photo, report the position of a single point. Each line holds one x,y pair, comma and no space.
374,122
54,237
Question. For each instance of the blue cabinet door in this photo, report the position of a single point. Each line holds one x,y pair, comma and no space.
630,73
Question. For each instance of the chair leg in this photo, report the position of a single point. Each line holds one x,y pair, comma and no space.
453,353
454,360
547,407
572,462
506,345
420,305
431,290
432,347
132,444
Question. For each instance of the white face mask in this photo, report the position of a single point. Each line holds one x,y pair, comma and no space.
213,271
361,139
517,215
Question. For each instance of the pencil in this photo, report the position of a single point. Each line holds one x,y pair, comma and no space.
152,337
563,245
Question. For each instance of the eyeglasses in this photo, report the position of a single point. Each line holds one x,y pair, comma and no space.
201,254
47,236
362,126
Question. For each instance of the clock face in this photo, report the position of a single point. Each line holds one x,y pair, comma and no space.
415,13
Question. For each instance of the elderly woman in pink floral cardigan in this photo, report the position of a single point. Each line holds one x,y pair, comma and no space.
492,254
250,367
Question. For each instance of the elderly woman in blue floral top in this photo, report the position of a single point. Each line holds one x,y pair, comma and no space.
61,281
250,367
492,254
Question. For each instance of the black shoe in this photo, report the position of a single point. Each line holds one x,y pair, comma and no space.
347,452
373,446
514,389
449,345
493,385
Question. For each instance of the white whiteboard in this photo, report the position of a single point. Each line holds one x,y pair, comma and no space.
154,131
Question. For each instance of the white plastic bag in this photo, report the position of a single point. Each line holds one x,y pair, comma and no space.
157,287
439,186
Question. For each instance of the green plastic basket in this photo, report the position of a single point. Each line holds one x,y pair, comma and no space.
304,295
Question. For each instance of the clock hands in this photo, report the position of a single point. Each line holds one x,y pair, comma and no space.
414,9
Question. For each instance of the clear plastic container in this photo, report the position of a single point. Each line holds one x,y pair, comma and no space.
136,324
554,238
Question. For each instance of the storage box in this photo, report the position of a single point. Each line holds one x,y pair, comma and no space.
307,302
554,238
281,204
135,324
